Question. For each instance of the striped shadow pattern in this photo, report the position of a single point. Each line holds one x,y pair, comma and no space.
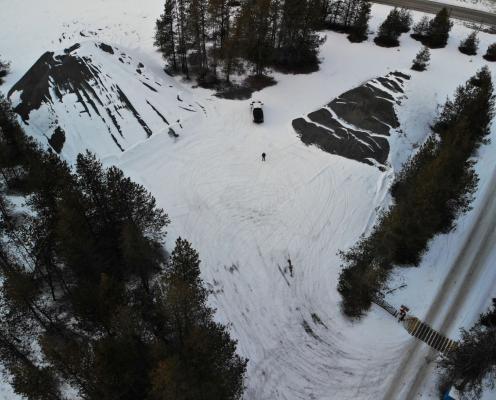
424,332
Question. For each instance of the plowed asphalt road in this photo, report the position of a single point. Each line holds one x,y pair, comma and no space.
463,13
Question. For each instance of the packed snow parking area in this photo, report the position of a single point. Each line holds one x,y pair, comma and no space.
247,218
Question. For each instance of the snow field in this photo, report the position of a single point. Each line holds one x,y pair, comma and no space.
247,218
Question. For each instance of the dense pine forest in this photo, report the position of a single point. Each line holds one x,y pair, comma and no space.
213,39
90,302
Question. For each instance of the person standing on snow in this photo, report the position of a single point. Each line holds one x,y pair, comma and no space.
263,157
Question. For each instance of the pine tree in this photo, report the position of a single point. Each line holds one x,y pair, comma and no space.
333,14
491,53
183,36
196,24
219,17
341,15
166,35
421,61
204,353
231,50
405,19
489,319
471,365
360,25
475,99
470,44
298,43
172,36
15,149
254,24
439,28
390,30
4,70
421,29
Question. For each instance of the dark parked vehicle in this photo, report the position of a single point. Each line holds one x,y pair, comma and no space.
257,111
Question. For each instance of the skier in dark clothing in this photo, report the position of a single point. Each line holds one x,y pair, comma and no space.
263,156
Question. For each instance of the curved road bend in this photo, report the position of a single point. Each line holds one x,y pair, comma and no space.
432,7
460,280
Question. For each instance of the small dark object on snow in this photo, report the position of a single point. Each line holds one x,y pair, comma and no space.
106,48
258,115
263,156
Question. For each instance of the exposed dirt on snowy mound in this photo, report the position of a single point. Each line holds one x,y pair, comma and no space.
95,96
356,124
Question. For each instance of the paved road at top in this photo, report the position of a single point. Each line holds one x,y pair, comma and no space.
464,13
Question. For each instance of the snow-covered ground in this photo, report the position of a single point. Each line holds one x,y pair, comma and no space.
247,218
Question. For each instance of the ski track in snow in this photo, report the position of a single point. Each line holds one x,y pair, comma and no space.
246,218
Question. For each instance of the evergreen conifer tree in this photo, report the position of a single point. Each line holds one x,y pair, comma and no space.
360,25
183,39
219,18
196,25
470,44
471,365
15,149
297,43
405,17
421,61
4,70
421,29
254,24
203,352
439,28
390,30
165,34
491,53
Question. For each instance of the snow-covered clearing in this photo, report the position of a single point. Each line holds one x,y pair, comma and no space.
247,218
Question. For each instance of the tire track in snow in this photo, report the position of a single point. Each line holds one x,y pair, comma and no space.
236,210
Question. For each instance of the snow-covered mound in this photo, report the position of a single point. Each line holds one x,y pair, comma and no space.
356,124
94,96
